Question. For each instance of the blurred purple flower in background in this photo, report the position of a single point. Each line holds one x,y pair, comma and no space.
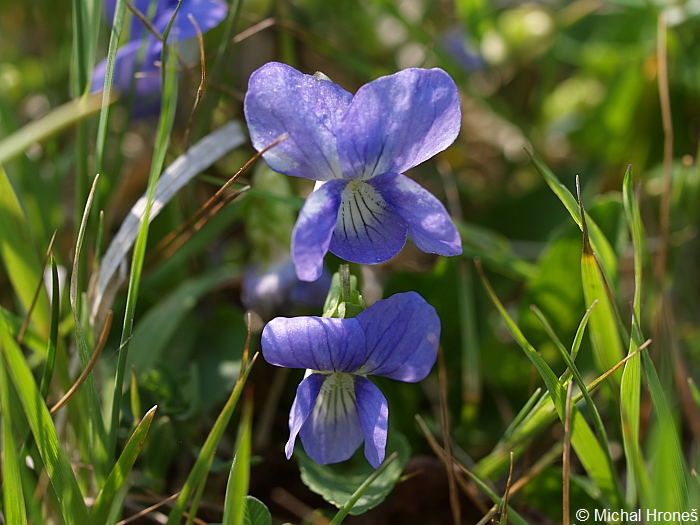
276,288
336,407
358,147
136,63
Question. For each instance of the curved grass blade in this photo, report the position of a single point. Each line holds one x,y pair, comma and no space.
180,172
117,477
53,456
578,378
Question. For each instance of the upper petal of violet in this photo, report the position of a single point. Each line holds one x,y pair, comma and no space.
396,122
281,100
317,343
402,335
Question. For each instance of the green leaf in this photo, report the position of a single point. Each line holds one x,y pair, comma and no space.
55,459
256,513
117,478
338,482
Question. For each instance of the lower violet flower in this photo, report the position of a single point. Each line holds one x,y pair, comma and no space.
336,407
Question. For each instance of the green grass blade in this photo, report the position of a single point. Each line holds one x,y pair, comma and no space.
117,24
513,515
22,263
673,492
97,434
587,447
345,509
53,334
631,375
601,246
55,121
15,512
117,478
198,474
55,459
578,378
86,24
604,327
239,476
165,125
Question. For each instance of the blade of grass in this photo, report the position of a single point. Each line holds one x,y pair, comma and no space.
117,24
637,476
578,378
22,262
604,332
542,414
55,121
239,475
675,486
345,510
96,432
53,332
180,172
14,510
117,477
165,125
601,246
55,459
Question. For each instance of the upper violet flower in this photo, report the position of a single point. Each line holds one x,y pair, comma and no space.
358,147
135,65
336,407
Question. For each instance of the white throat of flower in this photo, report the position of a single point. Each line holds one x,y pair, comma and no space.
336,398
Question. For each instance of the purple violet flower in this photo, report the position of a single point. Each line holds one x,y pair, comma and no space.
336,407
135,65
357,147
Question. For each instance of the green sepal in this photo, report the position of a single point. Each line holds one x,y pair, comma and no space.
343,300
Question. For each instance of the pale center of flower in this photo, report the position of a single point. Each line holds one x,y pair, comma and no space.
360,204
337,397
